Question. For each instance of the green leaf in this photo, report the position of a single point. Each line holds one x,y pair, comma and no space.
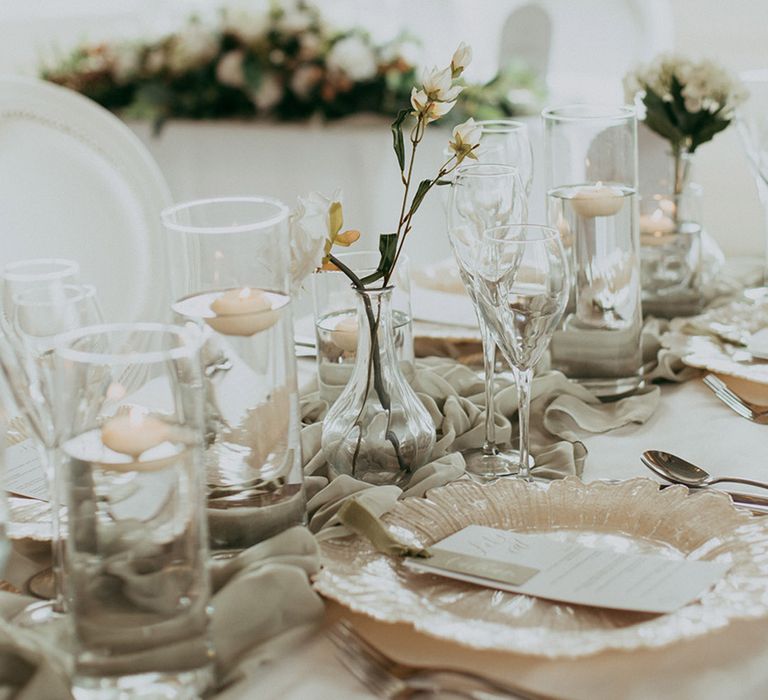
421,192
440,183
387,250
397,137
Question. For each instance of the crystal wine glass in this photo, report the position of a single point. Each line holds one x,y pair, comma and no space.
752,118
506,142
521,290
39,314
483,196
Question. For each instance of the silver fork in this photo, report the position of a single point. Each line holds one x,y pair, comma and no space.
387,678
735,402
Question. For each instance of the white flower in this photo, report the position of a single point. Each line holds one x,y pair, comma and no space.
155,61
190,48
353,57
270,92
464,139
462,57
309,229
126,61
294,22
310,46
249,27
305,78
229,70
438,84
430,109
405,49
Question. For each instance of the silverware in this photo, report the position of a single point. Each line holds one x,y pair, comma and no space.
387,678
674,468
735,402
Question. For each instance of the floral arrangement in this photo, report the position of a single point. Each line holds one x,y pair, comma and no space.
686,103
285,64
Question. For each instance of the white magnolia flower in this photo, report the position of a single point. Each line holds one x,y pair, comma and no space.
190,48
438,84
309,229
229,70
353,57
305,78
431,110
462,57
249,27
464,139
270,92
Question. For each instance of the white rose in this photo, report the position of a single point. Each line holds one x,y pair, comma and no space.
310,45
305,78
353,57
246,26
229,70
155,61
270,92
294,22
126,61
191,48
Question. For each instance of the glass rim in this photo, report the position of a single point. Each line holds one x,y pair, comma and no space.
192,342
501,126
472,170
593,111
548,233
84,291
166,215
67,266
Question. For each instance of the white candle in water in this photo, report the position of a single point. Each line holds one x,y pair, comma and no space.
597,200
135,433
344,335
657,222
242,312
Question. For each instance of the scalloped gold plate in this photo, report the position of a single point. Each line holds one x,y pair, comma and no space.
631,516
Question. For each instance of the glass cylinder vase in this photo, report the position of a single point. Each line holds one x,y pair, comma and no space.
230,275
378,430
336,327
591,164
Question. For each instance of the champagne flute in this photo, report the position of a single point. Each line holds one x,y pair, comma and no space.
483,196
39,315
521,290
506,142
752,119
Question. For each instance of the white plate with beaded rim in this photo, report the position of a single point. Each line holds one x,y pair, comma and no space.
631,516
79,184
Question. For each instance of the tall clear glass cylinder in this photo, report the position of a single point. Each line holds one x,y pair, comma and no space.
129,418
591,176
230,263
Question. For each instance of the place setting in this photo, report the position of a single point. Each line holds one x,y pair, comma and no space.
478,413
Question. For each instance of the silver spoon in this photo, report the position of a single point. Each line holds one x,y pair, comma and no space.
673,468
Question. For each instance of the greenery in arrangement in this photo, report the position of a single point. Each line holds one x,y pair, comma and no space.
283,64
685,102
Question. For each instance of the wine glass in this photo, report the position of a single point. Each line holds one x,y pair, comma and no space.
38,315
483,196
521,290
752,119
506,142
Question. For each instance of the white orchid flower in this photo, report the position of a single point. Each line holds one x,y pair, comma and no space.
462,57
438,85
464,139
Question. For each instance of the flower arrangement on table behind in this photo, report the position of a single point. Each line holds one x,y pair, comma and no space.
283,64
378,430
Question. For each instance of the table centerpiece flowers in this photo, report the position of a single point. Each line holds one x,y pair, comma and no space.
378,430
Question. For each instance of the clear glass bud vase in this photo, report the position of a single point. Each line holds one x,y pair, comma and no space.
378,430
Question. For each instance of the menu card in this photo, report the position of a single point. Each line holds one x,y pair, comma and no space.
24,475
543,566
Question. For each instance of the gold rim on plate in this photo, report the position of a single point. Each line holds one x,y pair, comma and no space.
632,516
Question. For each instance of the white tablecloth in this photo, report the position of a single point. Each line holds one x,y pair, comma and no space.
730,664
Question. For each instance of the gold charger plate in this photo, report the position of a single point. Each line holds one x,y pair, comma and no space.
632,516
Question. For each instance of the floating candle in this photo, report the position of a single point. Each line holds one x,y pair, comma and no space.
344,335
597,200
135,433
657,222
242,312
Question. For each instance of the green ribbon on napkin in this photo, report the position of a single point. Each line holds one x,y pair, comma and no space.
363,522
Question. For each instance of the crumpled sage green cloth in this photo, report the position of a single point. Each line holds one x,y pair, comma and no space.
258,596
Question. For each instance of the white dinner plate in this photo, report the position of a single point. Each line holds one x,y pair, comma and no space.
75,182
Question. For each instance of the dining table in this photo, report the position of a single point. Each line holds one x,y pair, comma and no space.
728,663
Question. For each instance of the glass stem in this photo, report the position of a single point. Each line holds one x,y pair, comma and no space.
762,189
523,377
58,543
489,366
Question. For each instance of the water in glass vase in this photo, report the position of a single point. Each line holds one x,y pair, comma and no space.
253,456
598,342
138,579
336,335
